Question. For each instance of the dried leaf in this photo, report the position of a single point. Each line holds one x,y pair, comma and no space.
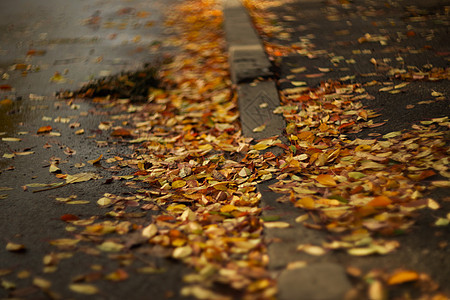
178,184
110,246
95,161
182,252
150,231
276,225
44,129
402,276
13,247
81,177
10,139
42,283
311,249
380,201
84,288
325,179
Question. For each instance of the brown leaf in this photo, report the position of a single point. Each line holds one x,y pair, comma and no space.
121,132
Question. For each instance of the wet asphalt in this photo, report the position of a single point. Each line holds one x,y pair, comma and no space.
46,47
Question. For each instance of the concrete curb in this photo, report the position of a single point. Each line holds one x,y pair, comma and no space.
248,62
258,97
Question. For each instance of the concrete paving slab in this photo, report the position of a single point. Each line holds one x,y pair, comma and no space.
257,102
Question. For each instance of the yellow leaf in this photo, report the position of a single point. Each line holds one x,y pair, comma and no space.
306,202
227,208
173,207
178,184
81,177
326,180
105,201
261,146
392,134
259,128
82,288
64,242
403,276
276,224
301,218
109,246
150,231
13,247
311,249
10,139
182,252
298,70
42,283
441,183
53,168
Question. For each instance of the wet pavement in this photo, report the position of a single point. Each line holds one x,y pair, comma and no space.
46,47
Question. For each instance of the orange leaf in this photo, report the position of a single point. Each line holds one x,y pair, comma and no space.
403,276
95,161
346,125
380,201
44,129
326,180
121,132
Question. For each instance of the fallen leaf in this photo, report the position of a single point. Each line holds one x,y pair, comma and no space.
182,252
259,128
402,276
325,179
81,177
121,132
95,161
380,201
44,129
118,275
11,139
110,246
84,288
311,249
14,247
150,231
276,225
42,283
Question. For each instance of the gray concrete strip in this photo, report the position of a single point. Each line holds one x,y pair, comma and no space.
323,281
248,62
247,57
256,104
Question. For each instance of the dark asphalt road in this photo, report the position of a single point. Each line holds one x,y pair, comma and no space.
80,40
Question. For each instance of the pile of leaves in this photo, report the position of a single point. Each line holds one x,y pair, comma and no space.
135,85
